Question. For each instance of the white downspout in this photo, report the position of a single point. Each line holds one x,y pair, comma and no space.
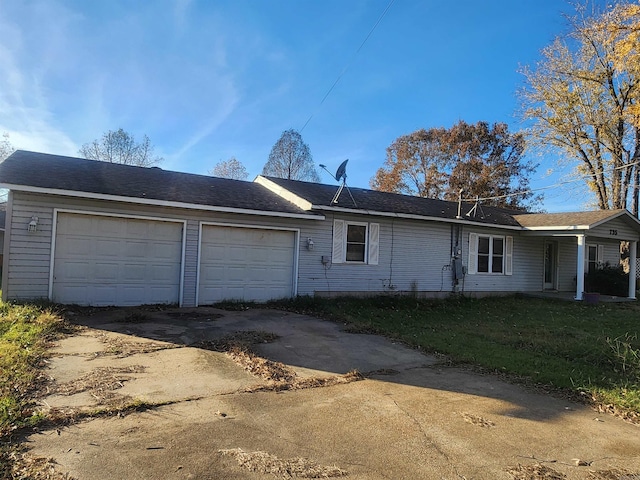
580,267
632,269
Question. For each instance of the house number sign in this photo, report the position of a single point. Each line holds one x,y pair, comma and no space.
613,232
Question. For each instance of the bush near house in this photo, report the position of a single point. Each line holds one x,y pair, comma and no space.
608,280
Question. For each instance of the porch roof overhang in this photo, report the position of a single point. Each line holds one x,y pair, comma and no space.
591,224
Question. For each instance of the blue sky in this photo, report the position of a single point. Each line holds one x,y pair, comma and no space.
207,80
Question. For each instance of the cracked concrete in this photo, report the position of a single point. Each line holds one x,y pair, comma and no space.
414,418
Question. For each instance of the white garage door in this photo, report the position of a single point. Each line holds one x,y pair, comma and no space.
102,260
248,264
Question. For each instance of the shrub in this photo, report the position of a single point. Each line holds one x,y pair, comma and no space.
608,280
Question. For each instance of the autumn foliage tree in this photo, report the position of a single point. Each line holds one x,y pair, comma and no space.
291,158
231,168
484,161
582,99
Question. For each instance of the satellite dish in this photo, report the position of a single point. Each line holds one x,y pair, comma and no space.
341,175
341,172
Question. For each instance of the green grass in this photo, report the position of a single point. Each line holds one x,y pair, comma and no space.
569,346
24,332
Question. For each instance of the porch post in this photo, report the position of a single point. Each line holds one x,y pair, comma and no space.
580,268
632,269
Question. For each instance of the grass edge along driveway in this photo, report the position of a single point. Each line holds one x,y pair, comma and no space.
588,352
591,352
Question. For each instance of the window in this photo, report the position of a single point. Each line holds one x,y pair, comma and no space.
355,242
490,254
594,258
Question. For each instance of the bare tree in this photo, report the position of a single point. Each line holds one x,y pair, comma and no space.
120,147
291,158
232,168
6,148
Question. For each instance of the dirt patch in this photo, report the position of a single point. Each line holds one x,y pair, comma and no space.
613,474
304,383
121,348
625,414
477,420
280,377
299,467
16,463
194,315
242,339
238,346
535,472
100,383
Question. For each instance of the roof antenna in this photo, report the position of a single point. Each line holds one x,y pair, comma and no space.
341,174
459,216
475,208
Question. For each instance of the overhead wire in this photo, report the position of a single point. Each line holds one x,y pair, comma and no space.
344,70
579,178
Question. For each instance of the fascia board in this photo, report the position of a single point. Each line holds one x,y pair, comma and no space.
162,203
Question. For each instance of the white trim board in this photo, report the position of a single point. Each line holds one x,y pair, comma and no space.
412,216
162,203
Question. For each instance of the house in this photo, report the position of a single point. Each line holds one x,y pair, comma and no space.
95,233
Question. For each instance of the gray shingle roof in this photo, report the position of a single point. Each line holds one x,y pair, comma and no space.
89,176
320,196
567,219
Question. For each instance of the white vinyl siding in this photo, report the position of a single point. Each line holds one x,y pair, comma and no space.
29,261
355,242
249,264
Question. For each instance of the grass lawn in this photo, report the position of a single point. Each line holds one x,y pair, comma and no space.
24,333
591,351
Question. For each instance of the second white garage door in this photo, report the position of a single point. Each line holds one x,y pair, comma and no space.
104,260
250,264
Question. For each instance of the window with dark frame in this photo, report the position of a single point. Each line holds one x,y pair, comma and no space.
356,242
592,258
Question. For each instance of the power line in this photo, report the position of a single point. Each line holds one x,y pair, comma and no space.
344,70
548,187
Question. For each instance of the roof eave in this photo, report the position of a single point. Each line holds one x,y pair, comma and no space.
562,228
162,203
412,216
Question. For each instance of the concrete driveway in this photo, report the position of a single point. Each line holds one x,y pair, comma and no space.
288,410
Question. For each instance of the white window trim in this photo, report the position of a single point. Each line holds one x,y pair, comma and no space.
371,248
507,254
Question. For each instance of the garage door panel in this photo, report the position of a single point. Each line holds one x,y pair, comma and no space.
105,247
77,271
126,268
134,273
76,246
106,272
239,263
164,250
107,227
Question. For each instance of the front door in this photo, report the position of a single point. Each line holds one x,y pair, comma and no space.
550,264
